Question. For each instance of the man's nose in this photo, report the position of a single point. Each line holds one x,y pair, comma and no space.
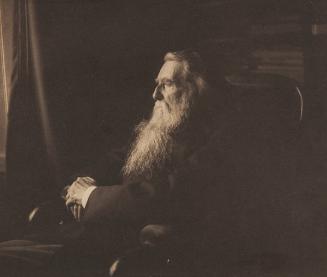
157,95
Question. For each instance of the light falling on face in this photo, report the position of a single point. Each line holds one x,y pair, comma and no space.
153,144
168,92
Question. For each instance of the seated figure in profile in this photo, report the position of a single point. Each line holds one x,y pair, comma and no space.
173,175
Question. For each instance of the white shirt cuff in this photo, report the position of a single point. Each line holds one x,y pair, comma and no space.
87,194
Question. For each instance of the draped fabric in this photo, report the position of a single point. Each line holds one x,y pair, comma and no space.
76,86
6,32
28,173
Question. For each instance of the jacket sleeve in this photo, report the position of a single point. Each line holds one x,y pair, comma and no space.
176,197
130,202
105,170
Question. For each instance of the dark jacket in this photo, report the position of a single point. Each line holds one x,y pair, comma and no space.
229,194
180,197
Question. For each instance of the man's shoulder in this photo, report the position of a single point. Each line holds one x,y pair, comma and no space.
218,140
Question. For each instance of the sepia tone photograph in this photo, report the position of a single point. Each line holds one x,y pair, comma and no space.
183,138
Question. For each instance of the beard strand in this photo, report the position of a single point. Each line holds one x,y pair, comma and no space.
149,153
152,149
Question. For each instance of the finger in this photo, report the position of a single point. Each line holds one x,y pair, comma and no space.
75,189
70,201
76,212
90,181
71,189
64,192
87,181
79,212
67,196
71,208
82,183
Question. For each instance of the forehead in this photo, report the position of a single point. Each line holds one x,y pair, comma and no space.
169,70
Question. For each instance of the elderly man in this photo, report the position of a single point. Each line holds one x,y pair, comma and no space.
172,167
162,145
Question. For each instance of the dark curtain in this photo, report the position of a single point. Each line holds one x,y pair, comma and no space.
30,179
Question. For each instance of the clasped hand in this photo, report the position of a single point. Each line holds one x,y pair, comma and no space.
75,194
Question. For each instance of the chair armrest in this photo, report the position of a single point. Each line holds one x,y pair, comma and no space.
144,261
161,253
51,212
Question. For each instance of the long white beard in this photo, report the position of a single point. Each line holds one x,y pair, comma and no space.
152,150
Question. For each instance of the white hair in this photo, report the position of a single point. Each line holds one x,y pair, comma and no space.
192,67
152,150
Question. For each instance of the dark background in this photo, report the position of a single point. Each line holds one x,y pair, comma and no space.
100,57
99,61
